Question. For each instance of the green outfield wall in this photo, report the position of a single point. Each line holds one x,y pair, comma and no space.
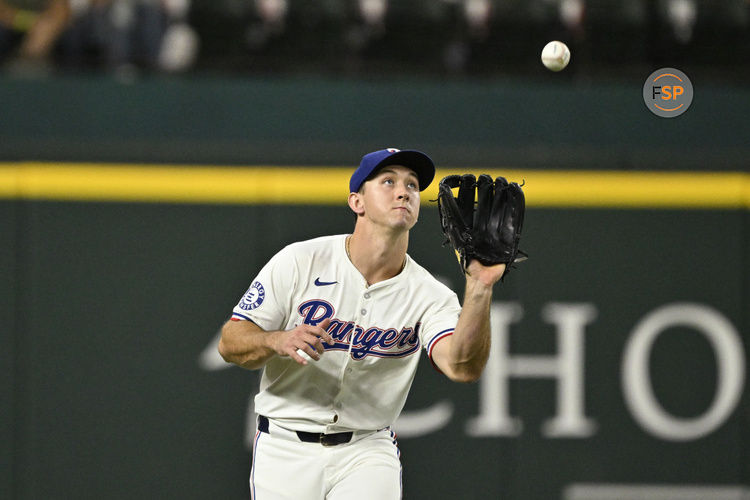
552,122
619,354
620,348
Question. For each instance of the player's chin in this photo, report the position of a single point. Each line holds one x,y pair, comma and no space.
409,216
405,223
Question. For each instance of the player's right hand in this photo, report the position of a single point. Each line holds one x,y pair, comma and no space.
305,338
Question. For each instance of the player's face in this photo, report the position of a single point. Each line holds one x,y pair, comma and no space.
392,197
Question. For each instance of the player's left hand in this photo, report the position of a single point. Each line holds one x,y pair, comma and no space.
486,275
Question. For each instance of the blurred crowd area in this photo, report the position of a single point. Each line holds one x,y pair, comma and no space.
370,37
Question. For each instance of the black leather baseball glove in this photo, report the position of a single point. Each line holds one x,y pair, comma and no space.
489,232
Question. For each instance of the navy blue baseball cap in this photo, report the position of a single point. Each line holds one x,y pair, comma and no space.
372,162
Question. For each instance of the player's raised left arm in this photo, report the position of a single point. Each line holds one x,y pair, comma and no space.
463,355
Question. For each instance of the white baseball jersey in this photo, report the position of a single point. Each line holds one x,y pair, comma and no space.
362,381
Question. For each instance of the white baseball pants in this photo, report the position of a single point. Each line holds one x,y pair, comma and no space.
285,468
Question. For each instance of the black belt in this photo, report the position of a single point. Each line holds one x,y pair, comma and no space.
312,437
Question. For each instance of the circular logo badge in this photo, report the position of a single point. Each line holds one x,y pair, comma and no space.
253,297
668,92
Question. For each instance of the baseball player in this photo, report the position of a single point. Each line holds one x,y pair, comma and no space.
337,324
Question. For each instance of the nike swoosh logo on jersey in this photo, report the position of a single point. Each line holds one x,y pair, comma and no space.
324,283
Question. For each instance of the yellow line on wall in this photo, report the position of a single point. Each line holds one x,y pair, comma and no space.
329,186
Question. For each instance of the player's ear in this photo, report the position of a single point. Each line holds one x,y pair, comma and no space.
356,204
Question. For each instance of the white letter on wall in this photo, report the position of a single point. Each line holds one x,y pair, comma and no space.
567,367
636,381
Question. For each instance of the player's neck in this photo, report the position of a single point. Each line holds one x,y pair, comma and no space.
377,258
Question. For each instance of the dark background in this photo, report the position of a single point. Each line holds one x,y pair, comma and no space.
112,305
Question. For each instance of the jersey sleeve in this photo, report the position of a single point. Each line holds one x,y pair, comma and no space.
266,301
440,321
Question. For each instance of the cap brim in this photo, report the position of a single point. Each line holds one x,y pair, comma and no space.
415,160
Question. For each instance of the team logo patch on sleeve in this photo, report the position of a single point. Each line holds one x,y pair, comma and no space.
253,297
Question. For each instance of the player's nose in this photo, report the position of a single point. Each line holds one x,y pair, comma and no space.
403,192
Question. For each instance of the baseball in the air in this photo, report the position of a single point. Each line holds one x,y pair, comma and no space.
555,55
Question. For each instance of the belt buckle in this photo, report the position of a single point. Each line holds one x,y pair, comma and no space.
327,440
